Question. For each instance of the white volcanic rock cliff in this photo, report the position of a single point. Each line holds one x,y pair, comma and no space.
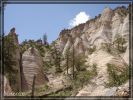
101,29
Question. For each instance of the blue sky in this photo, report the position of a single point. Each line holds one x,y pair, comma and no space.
33,20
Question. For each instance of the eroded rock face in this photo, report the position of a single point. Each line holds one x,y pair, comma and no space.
123,90
59,82
100,58
99,90
101,29
106,15
98,87
15,52
7,89
32,65
126,56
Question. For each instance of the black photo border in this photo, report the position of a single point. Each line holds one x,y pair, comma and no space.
3,2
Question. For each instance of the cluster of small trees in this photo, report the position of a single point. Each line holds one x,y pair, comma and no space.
73,61
116,79
56,54
76,62
118,44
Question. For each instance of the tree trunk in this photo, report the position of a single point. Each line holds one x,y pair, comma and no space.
67,63
73,62
21,71
122,48
119,46
33,86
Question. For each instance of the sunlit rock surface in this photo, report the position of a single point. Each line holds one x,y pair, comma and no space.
32,66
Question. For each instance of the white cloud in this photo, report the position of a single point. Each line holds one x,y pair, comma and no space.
81,17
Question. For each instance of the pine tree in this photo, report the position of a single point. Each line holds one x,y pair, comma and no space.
73,56
73,62
80,62
45,39
120,41
57,58
68,60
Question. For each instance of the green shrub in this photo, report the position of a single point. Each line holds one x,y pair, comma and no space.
41,49
91,50
65,92
58,70
119,43
80,63
114,78
46,65
94,69
83,77
40,90
107,47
